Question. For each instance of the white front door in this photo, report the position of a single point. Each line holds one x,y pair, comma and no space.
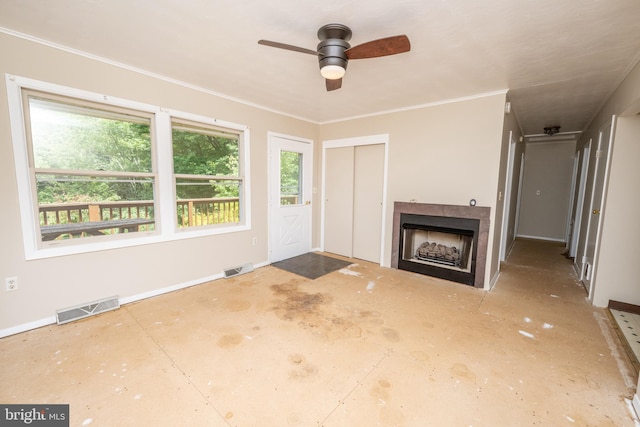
290,176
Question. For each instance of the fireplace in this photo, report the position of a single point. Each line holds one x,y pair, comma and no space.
444,241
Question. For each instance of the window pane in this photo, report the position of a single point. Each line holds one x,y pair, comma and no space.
75,137
201,151
290,178
109,206
207,202
99,150
212,153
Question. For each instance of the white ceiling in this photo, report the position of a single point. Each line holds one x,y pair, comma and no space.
559,60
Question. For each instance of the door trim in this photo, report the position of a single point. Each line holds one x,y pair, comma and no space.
275,198
506,201
354,142
582,186
603,204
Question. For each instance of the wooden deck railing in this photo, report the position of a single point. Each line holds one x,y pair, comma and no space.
191,212
208,211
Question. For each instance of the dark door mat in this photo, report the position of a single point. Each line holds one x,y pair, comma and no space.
311,265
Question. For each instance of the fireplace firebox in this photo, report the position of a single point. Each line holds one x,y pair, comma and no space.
444,241
439,246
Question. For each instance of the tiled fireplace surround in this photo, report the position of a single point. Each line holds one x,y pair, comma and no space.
452,211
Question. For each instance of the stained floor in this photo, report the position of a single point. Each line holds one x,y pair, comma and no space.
361,346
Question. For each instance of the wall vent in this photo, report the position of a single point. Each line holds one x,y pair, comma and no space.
247,268
85,310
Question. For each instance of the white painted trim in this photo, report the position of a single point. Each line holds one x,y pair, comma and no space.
493,281
516,226
27,326
603,203
577,222
546,239
127,300
164,171
635,406
290,137
506,197
354,142
572,199
417,107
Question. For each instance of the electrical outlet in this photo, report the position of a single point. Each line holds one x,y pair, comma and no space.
11,283
254,241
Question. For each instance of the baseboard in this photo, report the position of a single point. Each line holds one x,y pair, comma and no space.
27,326
623,306
577,269
126,300
494,280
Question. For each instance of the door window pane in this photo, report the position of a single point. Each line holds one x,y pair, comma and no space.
290,178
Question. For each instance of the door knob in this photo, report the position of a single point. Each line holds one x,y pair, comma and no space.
596,211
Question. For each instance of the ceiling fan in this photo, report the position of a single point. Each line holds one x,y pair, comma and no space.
334,51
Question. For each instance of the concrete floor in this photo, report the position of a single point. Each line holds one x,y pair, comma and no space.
365,346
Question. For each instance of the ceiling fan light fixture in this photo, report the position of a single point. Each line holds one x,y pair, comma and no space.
332,72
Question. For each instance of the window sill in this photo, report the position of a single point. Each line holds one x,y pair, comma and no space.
142,238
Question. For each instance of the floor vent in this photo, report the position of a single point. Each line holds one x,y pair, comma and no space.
85,310
247,268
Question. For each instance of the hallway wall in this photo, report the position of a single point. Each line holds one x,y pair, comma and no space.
616,275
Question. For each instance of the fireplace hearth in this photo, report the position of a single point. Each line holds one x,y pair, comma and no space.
444,241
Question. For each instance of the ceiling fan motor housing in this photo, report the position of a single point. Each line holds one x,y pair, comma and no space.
332,52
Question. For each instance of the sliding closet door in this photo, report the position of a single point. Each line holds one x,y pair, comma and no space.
354,180
367,202
338,230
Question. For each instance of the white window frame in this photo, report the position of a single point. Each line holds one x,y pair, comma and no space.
202,122
165,200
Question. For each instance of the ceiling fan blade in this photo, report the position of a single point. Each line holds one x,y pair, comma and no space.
333,84
287,47
380,47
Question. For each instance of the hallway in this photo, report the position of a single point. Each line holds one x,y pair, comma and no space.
362,346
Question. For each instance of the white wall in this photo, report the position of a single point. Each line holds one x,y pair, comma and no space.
49,284
617,276
616,271
444,154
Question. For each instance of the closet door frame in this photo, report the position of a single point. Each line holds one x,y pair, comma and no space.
354,142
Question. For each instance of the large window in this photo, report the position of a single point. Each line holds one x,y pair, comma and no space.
206,164
96,172
92,168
